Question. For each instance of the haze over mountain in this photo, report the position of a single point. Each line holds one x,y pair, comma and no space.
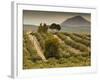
76,21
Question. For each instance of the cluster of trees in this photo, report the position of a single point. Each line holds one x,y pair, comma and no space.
55,26
44,27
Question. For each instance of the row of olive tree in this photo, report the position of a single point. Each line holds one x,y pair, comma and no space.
44,27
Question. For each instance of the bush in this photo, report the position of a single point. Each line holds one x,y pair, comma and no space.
52,48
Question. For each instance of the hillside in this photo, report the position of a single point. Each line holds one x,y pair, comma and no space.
61,49
76,21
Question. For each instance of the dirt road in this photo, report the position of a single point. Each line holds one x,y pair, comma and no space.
37,46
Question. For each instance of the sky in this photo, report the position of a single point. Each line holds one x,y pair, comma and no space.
37,17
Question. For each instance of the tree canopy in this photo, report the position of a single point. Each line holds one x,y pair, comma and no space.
55,26
43,28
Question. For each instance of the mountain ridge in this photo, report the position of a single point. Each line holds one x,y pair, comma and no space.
75,21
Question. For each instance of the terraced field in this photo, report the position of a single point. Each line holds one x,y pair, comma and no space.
51,50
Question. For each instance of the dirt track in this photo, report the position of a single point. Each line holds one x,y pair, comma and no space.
37,46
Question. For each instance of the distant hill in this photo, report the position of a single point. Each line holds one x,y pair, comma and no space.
77,21
29,27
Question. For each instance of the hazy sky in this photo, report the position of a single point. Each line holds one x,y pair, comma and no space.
36,17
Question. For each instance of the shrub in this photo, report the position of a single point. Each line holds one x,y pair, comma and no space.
52,48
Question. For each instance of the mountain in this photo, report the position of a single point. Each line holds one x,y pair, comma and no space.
77,21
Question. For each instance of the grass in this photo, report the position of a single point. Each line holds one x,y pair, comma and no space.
72,61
